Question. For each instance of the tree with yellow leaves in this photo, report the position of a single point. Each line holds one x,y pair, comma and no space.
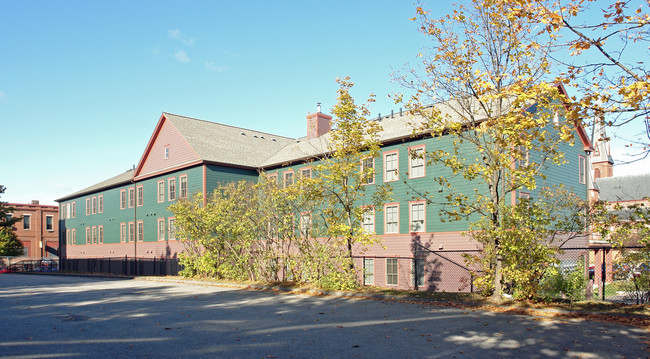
493,97
607,43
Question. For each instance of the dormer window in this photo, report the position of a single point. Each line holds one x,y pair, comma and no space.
167,152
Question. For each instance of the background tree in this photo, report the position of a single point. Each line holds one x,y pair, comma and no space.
601,47
502,121
10,246
6,218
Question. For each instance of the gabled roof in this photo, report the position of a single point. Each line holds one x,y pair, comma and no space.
624,188
122,178
217,143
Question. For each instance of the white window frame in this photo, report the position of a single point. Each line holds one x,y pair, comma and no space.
100,203
368,221
123,199
417,213
287,175
182,186
123,233
140,231
417,164
140,195
582,169
161,191
390,264
391,216
171,189
366,163
171,229
391,166
131,197
161,229
368,271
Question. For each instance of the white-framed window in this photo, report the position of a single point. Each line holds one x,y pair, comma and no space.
417,216
171,188
161,229
272,178
183,186
131,197
582,169
172,229
523,155
122,199
166,152
27,222
161,191
94,205
368,170
305,224
49,223
140,195
74,210
417,275
369,271
122,232
87,206
131,232
391,271
417,162
288,179
100,203
94,229
305,173
369,220
73,233
140,231
68,237
88,238
391,166
100,234
391,214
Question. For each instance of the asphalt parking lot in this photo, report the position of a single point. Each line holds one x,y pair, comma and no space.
51,316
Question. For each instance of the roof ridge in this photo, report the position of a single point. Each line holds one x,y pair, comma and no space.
231,126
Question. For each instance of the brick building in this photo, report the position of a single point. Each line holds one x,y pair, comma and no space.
38,230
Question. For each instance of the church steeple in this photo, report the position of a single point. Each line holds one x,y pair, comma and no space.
601,158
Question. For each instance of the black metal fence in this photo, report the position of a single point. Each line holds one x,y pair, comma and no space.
122,266
593,273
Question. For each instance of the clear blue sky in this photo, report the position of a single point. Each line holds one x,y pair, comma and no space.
83,83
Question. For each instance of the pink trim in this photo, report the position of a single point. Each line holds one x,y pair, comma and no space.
169,227
123,196
386,271
180,181
137,195
100,234
130,197
284,178
161,220
374,166
137,231
125,238
158,191
582,169
178,168
169,192
424,160
100,203
396,152
374,218
88,238
424,224
151,142
386,205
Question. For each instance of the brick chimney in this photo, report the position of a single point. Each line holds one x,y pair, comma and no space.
318,124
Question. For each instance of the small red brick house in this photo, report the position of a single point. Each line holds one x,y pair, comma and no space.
38,230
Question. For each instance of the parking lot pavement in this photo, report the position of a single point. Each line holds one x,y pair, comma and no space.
60,316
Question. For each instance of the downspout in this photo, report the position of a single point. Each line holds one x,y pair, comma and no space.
135,225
